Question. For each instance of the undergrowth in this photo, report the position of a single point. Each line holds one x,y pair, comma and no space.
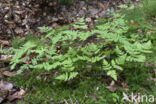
114,48
69,52
141,13
89,90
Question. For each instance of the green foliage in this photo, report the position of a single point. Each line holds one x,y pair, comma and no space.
135,14
80,24
68,53
16,42
149,8
113,46
91,90
6,51
139,14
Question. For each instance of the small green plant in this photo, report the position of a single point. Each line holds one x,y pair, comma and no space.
70,52
149,8
139,14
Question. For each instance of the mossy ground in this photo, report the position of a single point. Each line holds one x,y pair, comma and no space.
88,90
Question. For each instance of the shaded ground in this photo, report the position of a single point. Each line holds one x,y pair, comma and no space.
20,17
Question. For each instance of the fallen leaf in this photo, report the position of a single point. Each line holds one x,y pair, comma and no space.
149,32
5,88
102,6
8,73
5,57
1,100
6,85
17,95
54,19
55,25
148,65
19,12
132,22
154,79
88,20
93,11
4,69
103,13
4,42
151,79
140,31
125,87
18,30
112,87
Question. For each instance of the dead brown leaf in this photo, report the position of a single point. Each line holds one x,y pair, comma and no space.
1,100
55,25
5,42
6,85
125,87
149,32
10,92
19,12
140,31
18,30
132,22
112,87
5,58
8,73
151,79
5,88
17,95
88,20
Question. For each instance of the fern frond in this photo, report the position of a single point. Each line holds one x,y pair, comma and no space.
80,24
113,74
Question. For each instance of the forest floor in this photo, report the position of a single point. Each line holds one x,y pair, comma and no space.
18,19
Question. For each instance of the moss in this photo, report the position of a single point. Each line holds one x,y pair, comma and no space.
90,90
149,7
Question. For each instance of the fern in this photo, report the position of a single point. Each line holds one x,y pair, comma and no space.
113,74
67,76
19,53
106,65
109,50
80,24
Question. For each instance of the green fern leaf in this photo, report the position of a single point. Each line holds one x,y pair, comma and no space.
72,75
113,74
